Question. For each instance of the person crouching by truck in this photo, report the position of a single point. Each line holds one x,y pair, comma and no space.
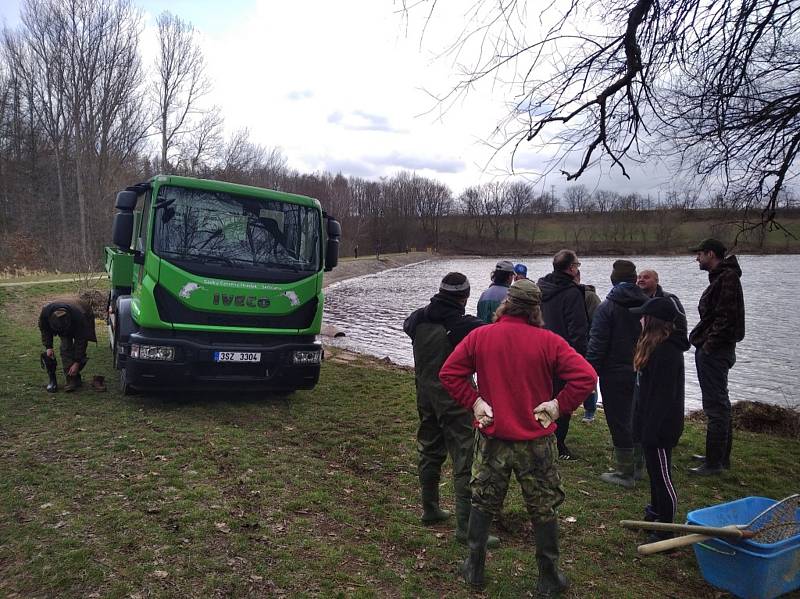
659,402
516,418
72,320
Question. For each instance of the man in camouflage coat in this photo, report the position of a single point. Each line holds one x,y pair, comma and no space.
516,361
721,327
444,426
71,319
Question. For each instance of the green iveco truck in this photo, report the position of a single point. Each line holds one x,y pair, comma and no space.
214,283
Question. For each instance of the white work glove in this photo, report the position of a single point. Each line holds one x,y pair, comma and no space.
546,412
483,412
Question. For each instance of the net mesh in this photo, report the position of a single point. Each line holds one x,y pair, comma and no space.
778,522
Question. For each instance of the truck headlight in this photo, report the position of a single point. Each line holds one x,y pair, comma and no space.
313,356
152,352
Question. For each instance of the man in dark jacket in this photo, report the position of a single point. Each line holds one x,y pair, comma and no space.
72,319
720,328
444,426
592,302
564,312
647,281
611,343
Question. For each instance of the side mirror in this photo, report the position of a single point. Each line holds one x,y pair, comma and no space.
126,200
334,228
122,230
332,247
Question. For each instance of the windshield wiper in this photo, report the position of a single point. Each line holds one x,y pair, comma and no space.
283,266
223,259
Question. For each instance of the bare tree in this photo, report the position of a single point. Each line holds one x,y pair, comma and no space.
614,80
240,156
518,196
202,146
495,204
432,204
180,82
473,200
605,200
578,199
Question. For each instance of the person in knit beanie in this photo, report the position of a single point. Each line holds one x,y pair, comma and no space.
445,428
612,339
623,271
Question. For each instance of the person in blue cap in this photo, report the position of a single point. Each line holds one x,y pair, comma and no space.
493,296
520,272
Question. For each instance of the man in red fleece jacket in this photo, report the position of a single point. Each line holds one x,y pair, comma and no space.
516,417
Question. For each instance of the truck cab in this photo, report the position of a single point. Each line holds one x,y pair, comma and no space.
216,283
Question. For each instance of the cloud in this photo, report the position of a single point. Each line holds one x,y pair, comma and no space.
302,94
415,162
372,167
360,120
352,168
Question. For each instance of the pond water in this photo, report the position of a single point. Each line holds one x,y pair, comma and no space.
370,310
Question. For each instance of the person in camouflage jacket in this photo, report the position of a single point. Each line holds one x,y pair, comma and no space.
721,327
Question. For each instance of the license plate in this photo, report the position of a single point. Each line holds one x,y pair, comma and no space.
237,356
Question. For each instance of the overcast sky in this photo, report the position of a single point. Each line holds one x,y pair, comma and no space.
346,87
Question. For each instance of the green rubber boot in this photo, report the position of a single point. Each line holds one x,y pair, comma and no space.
473,567
552,582
623,475
431,512
463,510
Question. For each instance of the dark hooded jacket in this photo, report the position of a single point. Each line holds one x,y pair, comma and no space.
564,309
721,309
81,325
615,330
659,394
435,330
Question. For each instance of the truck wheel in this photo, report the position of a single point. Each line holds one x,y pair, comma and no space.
115,348
124,386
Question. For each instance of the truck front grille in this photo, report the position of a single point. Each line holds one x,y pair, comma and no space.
170,309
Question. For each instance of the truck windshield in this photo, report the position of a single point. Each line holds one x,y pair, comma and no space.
207,227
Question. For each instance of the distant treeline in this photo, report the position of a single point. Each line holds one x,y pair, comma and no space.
81,117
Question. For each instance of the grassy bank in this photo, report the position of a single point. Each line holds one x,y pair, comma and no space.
231,495
660,233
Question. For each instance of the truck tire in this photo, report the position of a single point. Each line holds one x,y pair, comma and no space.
125,387
115,348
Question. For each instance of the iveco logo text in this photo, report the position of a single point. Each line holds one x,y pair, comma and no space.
241,300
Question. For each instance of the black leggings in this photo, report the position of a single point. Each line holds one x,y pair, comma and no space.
663,499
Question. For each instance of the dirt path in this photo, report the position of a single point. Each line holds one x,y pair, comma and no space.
93,276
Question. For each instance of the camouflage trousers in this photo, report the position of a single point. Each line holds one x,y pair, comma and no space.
67,353
445,428
532,462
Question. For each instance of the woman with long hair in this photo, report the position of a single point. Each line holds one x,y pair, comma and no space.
659,402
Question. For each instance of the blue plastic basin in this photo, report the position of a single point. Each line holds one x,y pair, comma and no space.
746,569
